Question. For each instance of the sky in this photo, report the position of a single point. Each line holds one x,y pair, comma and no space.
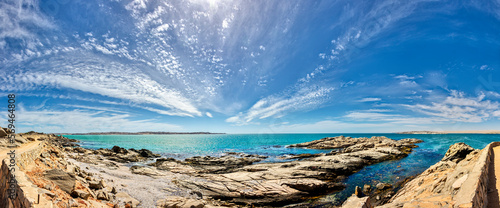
260,66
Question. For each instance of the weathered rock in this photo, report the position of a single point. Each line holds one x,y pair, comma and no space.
102,195
123,197
146,153
80,194
81,150
20,139
145,171
457,152
73,203
357,202
179,202
64,180
120,150
224,164
357,144
97,184
358,192
2,132
367,189
279,184
113,190
445,184
383,186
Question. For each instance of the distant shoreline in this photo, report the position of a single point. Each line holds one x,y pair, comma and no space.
452,132
137,133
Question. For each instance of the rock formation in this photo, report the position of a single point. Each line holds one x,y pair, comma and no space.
443,184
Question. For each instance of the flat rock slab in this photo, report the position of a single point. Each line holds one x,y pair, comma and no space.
64,180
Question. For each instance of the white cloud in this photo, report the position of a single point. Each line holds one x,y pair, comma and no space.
22,19
485,67
84,121
209,114
383,116
369,99
405,77
305,99
106,78
330,126
457,107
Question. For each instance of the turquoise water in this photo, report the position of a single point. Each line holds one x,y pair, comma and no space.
274,145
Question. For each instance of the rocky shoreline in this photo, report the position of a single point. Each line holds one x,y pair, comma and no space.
449,183
119,177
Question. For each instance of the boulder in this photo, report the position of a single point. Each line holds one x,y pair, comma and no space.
383,186
146,153
457,152
97,184
119,150
357,202
80,194
3,133
102,195
367,189
64,180
358,192
20,139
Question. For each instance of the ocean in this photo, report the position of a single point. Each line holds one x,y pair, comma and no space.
274,145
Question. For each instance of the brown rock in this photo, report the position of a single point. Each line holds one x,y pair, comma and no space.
80,194
127,199
97,185
64,180
102,195
2,132
358,192
457,152
383,186
367,189
179,202
356,202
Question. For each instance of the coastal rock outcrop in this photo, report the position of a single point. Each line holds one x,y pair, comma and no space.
64,180
278,184
457,152
444,183
49,180
3,133
238,178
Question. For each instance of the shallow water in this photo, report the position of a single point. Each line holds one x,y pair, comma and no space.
274,145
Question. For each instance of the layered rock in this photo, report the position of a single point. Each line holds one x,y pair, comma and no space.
444,183
59,183
278,184
239,178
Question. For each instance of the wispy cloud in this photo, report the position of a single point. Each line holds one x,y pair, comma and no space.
458,107
86,121
369,99
375,116
109,79
303,100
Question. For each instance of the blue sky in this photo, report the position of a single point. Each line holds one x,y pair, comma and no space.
263,66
